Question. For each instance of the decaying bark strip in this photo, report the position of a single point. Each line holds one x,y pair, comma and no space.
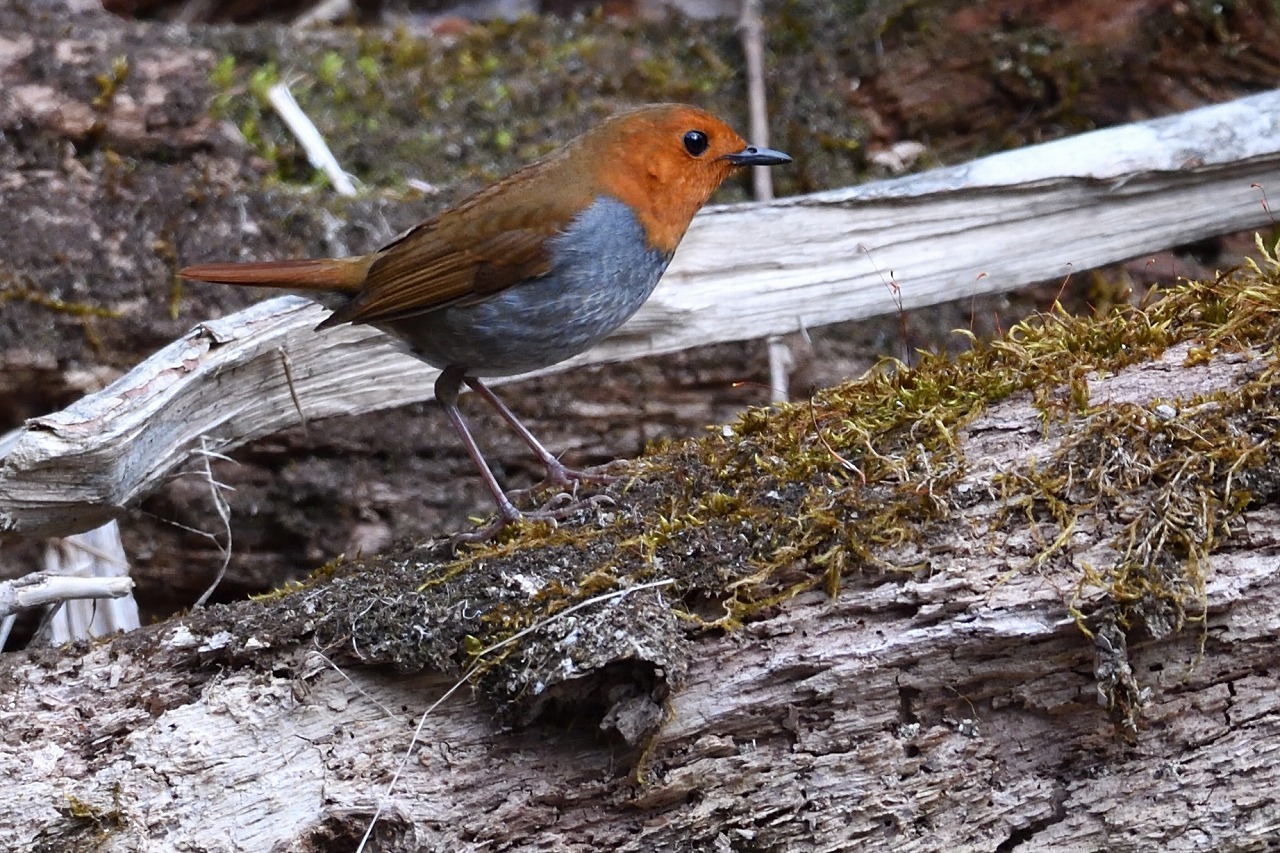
743,272
986,678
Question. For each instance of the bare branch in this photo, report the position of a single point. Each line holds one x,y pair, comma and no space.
41,588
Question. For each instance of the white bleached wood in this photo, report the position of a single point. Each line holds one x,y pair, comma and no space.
308,135
95,555
743,272
41,588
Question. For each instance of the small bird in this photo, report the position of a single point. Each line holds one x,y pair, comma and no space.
533,270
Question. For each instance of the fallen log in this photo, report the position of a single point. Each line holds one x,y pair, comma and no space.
1026,600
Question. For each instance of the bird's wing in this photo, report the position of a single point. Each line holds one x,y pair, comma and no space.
493,241
425,272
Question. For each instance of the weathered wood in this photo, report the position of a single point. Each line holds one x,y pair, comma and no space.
949,709
744,272
40,588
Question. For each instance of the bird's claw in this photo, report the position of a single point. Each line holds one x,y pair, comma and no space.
553,511
476,537
550,510
563,477
561,499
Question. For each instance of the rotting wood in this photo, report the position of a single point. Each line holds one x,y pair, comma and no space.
945,698
953,712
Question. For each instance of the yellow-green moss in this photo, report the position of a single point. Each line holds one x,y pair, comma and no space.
85,821
110,82
12,290
801,497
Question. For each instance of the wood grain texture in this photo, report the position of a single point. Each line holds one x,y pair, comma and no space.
952,709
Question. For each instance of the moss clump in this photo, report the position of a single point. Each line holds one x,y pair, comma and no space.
860,482
110,83
873,463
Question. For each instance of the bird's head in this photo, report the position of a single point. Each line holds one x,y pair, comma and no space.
664,161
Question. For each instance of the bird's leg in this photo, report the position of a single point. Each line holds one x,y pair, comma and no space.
447,386
558,474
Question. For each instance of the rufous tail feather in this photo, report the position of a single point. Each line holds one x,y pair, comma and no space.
342,275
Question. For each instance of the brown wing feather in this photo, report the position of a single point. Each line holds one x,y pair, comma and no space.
493,241
409,282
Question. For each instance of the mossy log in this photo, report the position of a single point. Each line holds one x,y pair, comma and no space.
1024,600
129,149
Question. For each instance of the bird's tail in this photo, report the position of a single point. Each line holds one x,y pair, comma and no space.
343,275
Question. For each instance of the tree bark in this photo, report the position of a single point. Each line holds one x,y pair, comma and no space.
950,700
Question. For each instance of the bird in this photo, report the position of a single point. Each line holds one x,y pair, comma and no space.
531,270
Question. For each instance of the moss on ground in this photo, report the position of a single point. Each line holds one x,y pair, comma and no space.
717,531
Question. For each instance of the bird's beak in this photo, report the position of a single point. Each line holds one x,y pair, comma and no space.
753,156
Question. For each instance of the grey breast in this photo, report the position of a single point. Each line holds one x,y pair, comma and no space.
601,272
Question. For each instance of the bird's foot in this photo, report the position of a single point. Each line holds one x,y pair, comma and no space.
561,477
555,510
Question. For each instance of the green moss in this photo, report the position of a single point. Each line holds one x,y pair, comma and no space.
110,83
391,104
85,313
85,820
844,80
81,310
858,486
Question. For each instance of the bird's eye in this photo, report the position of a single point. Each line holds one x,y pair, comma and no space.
696,142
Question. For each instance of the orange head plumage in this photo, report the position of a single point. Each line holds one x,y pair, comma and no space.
664,162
